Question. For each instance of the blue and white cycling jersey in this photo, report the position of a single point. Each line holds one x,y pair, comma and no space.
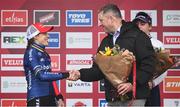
37,66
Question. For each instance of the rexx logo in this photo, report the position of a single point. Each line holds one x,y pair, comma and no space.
13,40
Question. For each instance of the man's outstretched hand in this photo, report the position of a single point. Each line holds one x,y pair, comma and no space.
74,75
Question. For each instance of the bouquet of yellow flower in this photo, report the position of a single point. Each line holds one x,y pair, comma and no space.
115,64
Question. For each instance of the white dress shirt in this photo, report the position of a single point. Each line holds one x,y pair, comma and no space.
116,35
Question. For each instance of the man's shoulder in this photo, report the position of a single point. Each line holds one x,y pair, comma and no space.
129,26
129,29
106,38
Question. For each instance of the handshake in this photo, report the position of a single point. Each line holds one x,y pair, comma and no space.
74,75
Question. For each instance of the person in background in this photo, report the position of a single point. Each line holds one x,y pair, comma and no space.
37,66
127,36
144,22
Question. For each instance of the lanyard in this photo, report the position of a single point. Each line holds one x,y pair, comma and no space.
134,84
55,88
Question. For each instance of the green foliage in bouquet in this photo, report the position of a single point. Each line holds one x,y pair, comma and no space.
111,52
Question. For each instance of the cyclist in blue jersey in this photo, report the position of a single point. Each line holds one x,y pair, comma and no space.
37,66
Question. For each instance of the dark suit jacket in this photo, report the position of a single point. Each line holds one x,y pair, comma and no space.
136,41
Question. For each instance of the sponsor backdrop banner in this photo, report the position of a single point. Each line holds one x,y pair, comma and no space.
73,42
